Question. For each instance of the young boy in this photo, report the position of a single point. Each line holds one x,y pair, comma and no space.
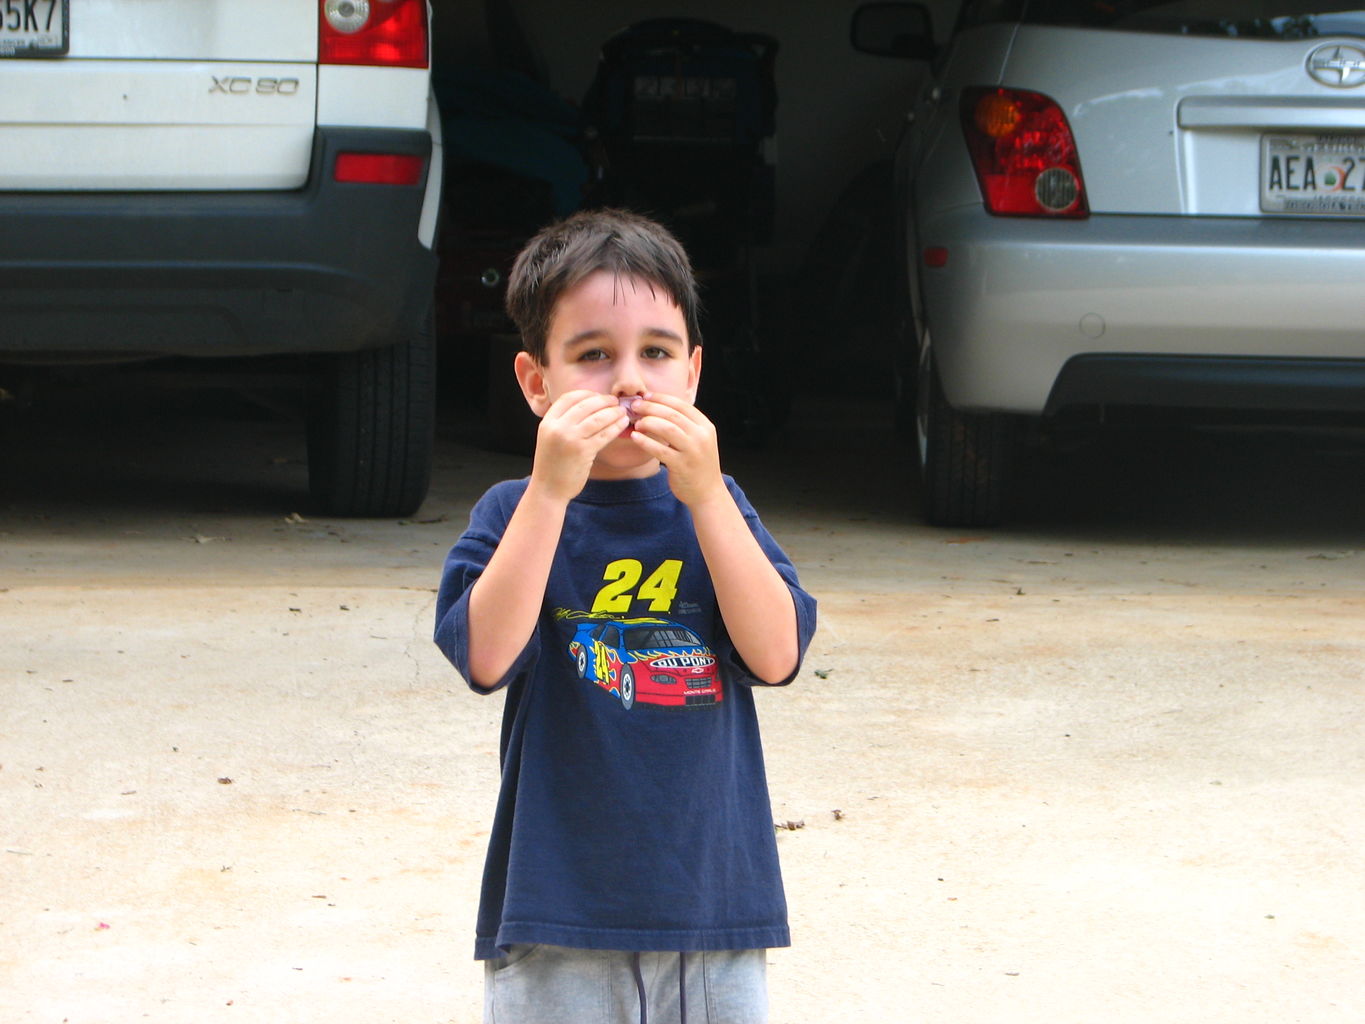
628,598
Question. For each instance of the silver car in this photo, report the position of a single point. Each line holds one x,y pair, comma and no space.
1124,204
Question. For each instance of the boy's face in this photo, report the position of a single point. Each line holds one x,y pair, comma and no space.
614,336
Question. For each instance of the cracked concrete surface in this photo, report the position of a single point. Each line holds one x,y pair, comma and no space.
1103,764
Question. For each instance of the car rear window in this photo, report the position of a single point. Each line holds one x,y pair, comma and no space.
642,639
1271,19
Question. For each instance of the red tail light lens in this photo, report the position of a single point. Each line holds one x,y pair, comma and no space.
378,169
1024,154
389,33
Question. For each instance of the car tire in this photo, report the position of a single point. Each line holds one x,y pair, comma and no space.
582,661
627,688
371,428
965,458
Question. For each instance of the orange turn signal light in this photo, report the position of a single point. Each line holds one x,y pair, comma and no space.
997,115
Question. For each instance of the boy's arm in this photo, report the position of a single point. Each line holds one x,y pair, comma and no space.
754,599
505,601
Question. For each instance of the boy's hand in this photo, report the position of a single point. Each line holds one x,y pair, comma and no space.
677,434
575,428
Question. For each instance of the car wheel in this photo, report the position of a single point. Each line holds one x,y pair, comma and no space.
627,688
964,458
582,664
371,423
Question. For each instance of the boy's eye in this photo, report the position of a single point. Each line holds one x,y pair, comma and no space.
592,355
655,352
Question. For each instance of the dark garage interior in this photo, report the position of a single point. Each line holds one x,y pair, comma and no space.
778,182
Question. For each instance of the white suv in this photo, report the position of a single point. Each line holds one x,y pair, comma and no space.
259,177
1137,203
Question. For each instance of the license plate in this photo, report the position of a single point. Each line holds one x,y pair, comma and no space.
1313,174
34,28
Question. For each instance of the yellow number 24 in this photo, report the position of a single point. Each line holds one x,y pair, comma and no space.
623,574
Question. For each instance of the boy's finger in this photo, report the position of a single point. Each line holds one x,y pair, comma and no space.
593,431
582,399
688,420
653,447
670,401
578,406
611,420
666,433
672,404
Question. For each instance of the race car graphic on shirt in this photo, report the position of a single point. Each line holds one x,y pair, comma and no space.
653,661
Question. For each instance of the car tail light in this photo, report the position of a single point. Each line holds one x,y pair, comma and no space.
1024,154
378,168
390,33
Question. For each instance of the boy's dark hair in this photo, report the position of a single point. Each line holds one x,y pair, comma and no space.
623,243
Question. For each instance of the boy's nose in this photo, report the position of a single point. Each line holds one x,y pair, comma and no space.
629,380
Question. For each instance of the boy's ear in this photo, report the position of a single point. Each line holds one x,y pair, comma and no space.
531,377
693,373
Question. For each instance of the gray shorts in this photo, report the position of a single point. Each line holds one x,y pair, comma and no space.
554,985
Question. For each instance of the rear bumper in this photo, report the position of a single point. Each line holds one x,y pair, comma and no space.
1327,386
1030,316
327,268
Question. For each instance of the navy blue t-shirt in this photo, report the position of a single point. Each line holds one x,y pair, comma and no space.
633,812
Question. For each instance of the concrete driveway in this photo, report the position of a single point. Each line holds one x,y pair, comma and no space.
1105,764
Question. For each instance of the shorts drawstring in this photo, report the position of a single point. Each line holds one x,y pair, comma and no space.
640,988
682,988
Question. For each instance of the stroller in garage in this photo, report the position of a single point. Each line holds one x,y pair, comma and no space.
677,126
